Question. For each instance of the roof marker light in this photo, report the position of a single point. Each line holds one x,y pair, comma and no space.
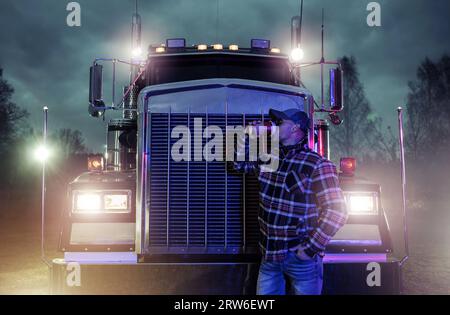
217,46
260,43
233,47
176,43
275,50
202,47
160,49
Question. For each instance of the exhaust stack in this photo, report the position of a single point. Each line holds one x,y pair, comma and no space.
130,102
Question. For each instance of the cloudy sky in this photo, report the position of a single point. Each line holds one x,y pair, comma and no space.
47,62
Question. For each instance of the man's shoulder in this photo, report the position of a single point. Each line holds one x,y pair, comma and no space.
308,161
312,157
315,161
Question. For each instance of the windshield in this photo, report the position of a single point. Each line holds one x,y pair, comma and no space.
176,68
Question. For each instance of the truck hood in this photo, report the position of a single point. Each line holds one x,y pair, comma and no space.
234,96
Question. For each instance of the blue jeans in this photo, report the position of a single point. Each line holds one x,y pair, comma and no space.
306,276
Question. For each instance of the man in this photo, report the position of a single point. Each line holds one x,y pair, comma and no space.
302,207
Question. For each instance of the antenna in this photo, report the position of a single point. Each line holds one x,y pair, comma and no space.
296,28
323,27
322,61
130,97
136,28
217,21
301,20
296,39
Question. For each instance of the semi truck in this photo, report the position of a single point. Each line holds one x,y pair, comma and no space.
140,222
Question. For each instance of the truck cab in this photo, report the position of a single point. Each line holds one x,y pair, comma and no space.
156,225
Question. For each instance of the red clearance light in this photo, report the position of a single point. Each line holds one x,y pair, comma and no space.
348,166
95,163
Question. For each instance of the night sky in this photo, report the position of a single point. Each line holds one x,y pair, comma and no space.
47,62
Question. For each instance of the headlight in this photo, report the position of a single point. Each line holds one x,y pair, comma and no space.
362,203
101,201
87,202
116,202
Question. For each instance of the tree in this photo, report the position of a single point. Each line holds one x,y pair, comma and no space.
388,142
11,116
69,142
428,109
12,119
427,131
69,153
358,136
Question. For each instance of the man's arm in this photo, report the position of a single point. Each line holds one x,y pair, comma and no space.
240,164
331,204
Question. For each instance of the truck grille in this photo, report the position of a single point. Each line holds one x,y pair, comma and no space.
198,206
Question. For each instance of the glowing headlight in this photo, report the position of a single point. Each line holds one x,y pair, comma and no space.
116,202
362,203
87,202
97,201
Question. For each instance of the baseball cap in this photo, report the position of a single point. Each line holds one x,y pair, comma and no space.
296,115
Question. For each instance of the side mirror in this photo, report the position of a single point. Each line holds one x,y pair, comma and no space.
336,90
95,89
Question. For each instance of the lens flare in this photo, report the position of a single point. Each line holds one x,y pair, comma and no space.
297,54
42,153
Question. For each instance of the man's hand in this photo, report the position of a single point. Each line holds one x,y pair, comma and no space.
302,255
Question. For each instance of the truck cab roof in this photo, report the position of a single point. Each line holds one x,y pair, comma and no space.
197,65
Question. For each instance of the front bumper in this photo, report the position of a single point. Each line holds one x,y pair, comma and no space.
130,277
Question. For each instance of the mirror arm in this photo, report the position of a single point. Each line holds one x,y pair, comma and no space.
308,64
319,109
114,61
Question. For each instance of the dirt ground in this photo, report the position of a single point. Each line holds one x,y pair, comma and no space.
22,272
21,268
428,269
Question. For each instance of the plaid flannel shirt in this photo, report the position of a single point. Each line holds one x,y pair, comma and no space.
301,204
